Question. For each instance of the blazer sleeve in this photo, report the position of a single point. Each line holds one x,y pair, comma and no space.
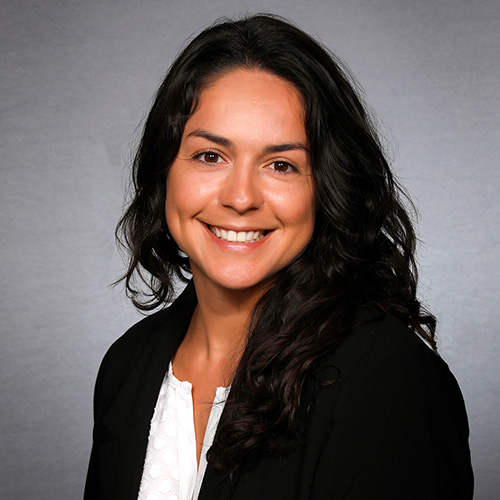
399,429
93,473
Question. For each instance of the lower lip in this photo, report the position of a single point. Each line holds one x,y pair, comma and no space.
237,245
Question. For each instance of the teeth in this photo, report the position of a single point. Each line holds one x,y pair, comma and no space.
240,236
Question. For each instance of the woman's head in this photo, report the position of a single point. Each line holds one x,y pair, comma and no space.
357,210
240,196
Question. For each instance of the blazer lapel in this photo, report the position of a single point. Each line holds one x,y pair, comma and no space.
128,419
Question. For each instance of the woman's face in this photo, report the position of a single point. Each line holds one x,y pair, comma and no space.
240,196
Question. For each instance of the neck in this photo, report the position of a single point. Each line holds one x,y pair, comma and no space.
217,334
221,319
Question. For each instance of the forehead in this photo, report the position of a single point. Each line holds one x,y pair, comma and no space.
251,100
250,79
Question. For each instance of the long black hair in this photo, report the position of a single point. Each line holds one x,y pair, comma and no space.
361,252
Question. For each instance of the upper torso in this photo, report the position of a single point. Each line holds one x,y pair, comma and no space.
392,426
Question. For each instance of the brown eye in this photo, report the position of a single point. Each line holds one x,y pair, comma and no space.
210,157
282,167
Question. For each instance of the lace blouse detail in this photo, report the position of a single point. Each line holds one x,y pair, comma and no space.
170,468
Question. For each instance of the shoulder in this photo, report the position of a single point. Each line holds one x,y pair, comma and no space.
148,342
392,417
382,346
386,374
146,332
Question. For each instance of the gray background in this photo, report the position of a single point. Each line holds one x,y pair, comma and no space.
76,79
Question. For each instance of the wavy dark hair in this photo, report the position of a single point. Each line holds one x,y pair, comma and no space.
361,252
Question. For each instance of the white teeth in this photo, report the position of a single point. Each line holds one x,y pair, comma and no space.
240,236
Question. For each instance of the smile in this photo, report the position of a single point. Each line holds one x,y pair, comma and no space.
238,236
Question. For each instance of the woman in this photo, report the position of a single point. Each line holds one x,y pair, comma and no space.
291,363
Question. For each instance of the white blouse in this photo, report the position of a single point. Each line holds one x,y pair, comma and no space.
170,469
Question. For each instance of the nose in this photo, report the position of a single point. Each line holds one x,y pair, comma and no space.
241,189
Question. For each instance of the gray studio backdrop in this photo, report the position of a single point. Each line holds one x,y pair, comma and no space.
76,80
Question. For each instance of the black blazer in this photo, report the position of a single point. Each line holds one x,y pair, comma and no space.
393,427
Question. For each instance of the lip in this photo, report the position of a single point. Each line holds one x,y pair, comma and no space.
238,236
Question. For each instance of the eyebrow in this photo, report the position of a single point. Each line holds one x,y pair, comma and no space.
271,148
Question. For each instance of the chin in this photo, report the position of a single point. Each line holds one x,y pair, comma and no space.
242,283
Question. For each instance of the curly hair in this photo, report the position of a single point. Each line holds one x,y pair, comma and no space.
361,252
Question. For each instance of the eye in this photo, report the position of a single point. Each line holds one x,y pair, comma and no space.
282,167
210,157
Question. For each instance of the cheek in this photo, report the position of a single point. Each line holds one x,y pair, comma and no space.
190,186
297,208
305,213
177,212
173,203
187,195
179,195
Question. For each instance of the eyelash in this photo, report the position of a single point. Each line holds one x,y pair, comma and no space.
199,156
